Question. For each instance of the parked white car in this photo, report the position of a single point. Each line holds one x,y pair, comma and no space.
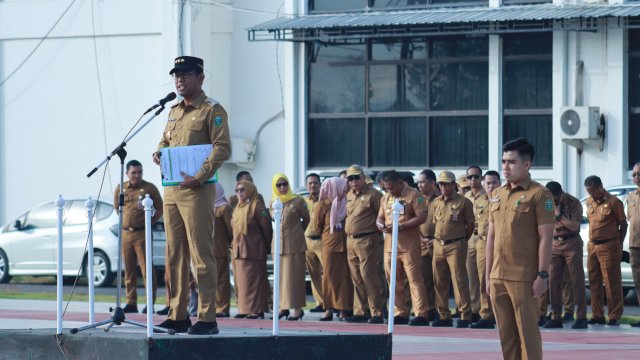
28,243
621,192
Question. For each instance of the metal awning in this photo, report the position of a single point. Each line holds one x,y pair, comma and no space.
357,26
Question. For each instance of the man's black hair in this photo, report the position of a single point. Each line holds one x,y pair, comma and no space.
240,174
390,175
522,147
475,167
593,180
492,173
429,174
554,187
133,163
312,175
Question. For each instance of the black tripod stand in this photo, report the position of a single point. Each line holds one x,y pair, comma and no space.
118,317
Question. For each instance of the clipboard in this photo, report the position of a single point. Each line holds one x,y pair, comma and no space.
187,159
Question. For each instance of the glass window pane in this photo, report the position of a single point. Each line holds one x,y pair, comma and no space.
398,50
459,86
538,44
336,89
634,139
338,54
380,4
537,129
634,40
104,210
458,1
398,141
634,82
77,214
459,141
397,87
43,216
333,5
447,47
527,84
336,142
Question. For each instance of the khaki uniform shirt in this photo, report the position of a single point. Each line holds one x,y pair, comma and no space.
311,232
480,211
295,219
223,232
256,243
362,211
428,229
413,203
233,201
633,214
570,208
133,216
605,217
202,122
320,225
451,217
516,215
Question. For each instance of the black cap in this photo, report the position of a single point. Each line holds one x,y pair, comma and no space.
187,63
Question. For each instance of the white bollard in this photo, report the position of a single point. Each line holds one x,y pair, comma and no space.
148,214
90,204
277,214
60,212
396,207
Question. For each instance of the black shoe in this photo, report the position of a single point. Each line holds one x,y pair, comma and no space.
442,323
255,316
553,324
144,310
593,321
401,320
612,322
222,314
204,328
580,324
356,319
456,314
635,324
130,308
376,320
475,318
296,318
567,317
463,324
483,324
240,316
164,311
432,315
327,317
542,320
317,309
419,321
179,326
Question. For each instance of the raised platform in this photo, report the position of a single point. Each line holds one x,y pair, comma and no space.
232,343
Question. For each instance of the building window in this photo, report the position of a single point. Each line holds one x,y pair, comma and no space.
362,5
634,97
527,91
399,103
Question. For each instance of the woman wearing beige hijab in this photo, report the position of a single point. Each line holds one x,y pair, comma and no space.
295,218
328,220
251,238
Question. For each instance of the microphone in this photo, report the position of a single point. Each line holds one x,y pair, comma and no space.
161,102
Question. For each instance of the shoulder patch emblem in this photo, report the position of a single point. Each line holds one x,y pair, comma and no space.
548,205
420,199
217,121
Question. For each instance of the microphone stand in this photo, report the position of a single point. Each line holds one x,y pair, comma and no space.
118,317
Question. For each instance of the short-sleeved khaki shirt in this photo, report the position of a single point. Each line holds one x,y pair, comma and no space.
605,217
413,203
451,217
633,214
516,214
133,211
481,212
570,208
362,211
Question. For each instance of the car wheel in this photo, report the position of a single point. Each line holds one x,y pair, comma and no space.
4,268
102,275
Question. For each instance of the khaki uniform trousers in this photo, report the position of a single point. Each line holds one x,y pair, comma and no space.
365,264
486,312
603,264
408,269
634,261
188,215
427,277
133,254
516,312
568,300
566,258
223,291
451,260
314,267
472,271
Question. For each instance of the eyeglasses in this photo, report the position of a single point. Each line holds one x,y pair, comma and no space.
353,177
183,75
283,184
239,190
635,174
473,176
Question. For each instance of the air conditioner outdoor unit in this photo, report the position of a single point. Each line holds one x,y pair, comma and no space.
579,122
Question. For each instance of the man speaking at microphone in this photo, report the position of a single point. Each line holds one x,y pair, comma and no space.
188,207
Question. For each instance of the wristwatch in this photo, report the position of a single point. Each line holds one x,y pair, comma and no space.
543,274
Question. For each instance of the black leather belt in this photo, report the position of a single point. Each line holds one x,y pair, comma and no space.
602,241
133,229
447,242
565,237
360,235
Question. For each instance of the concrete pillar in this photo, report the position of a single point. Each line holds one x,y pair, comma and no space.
495,102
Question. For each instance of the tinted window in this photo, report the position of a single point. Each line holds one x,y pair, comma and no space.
459,141
336,5
397,87
527,84
537,129
103,210
337,89
336,141
398,141
42,217
459,86
77,214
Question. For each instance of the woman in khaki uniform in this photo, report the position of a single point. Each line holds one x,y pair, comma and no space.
295,218
222,239
251,238
328,220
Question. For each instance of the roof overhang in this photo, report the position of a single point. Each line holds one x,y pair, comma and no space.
359,26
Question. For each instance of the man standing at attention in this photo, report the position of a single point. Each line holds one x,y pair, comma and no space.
521,224
314,245
188,208
633,214
474,179
133,237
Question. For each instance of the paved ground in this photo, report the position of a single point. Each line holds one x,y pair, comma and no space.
598,342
